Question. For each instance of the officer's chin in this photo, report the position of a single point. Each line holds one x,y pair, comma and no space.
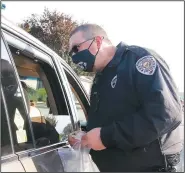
97,68
94,69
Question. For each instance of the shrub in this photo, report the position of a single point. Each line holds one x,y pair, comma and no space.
41,94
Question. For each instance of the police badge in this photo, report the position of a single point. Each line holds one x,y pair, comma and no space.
146,65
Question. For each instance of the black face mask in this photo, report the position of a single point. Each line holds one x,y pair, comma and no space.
85,59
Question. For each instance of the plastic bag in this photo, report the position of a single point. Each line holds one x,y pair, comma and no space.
77,159
180,166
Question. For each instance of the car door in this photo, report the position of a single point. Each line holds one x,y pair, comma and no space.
9,158
30,61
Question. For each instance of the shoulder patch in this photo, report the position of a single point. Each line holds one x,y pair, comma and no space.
146,65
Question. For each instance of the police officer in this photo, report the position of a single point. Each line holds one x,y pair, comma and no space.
135,113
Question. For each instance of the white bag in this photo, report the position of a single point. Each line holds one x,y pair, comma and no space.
77,159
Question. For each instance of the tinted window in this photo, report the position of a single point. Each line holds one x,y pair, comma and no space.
19,123
48,109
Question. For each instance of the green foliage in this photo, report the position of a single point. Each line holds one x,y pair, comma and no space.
37,95
33,97
41,94
53,29
32,93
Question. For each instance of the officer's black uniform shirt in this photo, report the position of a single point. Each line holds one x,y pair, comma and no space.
135,102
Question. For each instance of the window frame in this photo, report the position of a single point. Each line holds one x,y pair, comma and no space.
79,89
8,123
21,91
53,65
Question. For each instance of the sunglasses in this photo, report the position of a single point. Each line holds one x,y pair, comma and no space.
74,49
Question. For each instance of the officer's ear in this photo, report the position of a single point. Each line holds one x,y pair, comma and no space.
98,40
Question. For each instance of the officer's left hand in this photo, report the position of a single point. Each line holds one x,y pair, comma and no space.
92,140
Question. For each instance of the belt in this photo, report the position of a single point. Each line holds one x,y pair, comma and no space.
172,162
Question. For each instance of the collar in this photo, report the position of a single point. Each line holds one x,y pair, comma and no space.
121,48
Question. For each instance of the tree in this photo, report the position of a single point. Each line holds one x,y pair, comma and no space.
53,29
41,94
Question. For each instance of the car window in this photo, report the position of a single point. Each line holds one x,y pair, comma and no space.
79,106
80,96
19,123
48,109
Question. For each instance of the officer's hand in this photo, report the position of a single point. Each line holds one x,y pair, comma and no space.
72,140
92,140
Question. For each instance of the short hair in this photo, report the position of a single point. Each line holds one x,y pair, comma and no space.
90,31
24,85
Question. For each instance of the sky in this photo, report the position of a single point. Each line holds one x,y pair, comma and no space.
155,25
